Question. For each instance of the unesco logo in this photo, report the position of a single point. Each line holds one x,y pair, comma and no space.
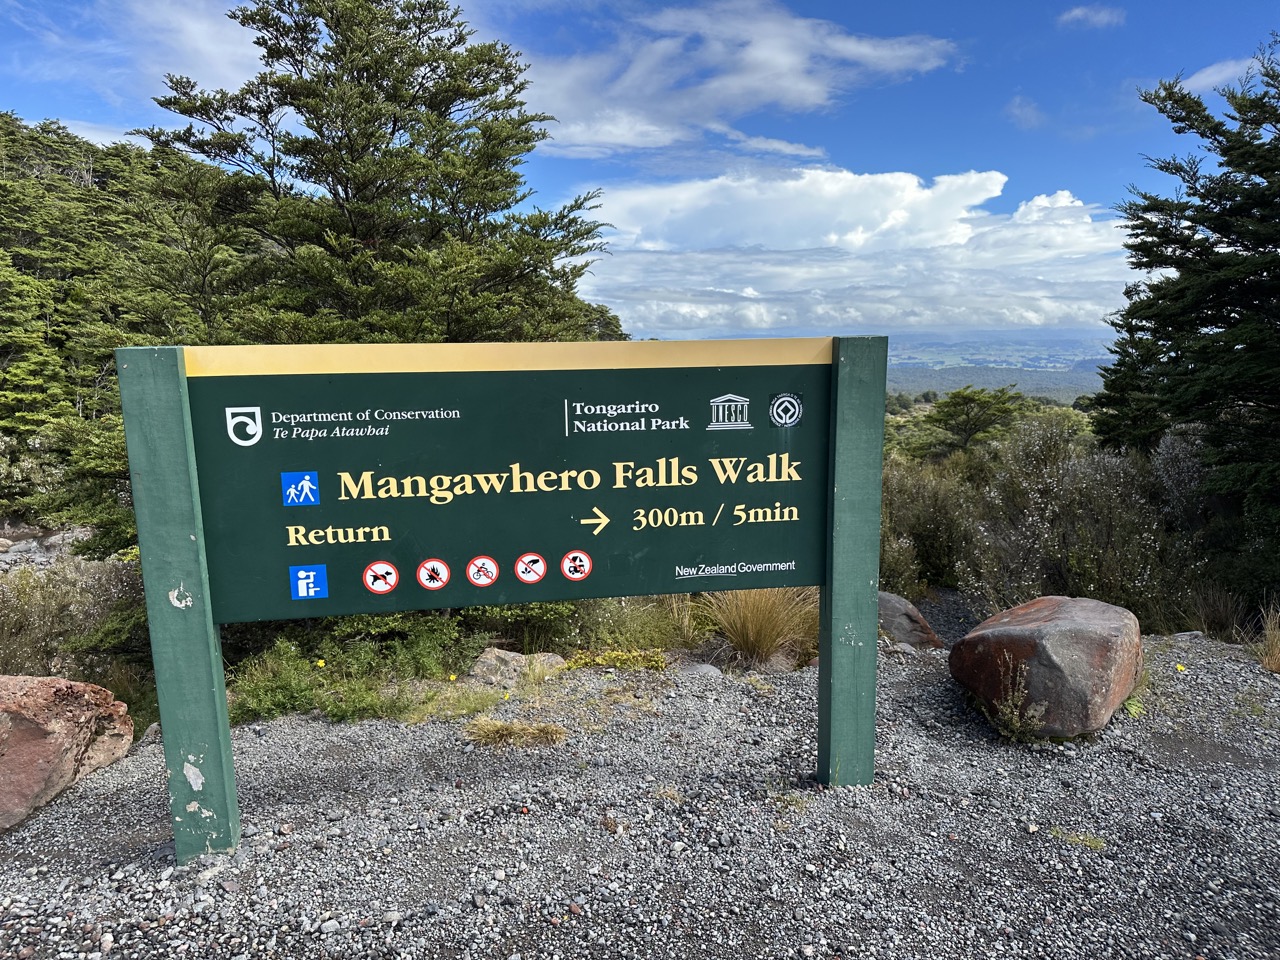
785,410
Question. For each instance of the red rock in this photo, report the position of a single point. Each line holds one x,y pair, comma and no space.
1068,663
52,733
903,623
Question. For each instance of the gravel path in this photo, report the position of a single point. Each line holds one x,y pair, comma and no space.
678,820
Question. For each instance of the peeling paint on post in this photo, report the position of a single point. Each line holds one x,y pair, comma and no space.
849,624
185,646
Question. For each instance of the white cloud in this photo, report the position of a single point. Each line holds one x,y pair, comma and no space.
818,251
1092,16
1223,73
1024,112
102,133
121,49
671,76
194,38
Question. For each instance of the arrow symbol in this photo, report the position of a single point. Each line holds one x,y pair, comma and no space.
600,520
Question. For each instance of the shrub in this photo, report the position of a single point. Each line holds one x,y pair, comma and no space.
757,624
926,522
537,627
70,617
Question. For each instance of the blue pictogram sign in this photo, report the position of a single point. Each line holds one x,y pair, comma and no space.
300,489
309,583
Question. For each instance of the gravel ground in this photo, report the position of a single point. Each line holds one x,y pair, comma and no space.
679,819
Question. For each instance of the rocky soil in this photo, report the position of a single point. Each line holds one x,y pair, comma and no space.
678,819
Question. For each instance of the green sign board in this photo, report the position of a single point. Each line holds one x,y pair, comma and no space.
289,482
327,493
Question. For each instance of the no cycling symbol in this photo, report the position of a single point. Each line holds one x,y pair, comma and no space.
433,574
381,577
482,571
531,567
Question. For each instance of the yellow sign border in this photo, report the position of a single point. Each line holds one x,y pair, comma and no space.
481,357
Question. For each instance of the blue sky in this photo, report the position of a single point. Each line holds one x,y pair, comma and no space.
773,167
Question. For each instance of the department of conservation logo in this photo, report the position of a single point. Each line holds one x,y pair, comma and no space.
785,410
244,425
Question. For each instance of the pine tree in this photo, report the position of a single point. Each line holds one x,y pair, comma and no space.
378,155
1199,341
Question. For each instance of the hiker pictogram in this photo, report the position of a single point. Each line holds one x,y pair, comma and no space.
531,567
576,565
381,577
300,489
482,571
433,574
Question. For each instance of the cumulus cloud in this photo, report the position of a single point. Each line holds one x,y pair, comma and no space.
1092,16
1024,112
817,251
1223,73
671,76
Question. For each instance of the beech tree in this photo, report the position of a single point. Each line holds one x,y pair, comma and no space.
1199,340
377,155
972,414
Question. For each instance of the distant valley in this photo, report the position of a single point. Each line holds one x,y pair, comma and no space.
1058,365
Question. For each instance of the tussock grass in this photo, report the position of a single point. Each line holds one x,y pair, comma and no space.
1266,646
1216,611
758,624
455,702
489,732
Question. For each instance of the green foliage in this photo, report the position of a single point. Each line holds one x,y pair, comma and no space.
1043,511
1198,345
619,659
1061,517
539,627
927,523
50,615
378,155
971,415
1015,716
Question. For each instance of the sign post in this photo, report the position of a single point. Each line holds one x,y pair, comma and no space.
185,647
285,482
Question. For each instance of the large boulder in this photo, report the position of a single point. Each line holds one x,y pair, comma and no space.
1054,667
901,622
52,733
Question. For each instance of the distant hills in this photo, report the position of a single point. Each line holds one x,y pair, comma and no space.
1058,364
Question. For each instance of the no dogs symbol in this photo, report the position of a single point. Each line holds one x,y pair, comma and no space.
381,577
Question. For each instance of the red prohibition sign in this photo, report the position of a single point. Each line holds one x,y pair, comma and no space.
381,577
433,574
576,565
531,567
482,571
